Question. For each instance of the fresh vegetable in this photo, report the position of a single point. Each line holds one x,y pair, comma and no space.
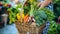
39,16
26,18
26,7
54,28
49,13
15,13
12,15
22,16
18,16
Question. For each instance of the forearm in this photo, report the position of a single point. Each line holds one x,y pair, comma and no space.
45,3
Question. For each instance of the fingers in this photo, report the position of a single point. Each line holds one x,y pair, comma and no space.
39,4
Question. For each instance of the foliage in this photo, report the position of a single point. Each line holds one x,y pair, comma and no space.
54,28
26,7
56,4
13,13
42,15
56,1
49,13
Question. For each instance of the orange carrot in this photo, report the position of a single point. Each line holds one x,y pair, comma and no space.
26,18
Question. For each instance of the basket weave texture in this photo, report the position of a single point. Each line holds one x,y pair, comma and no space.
25,28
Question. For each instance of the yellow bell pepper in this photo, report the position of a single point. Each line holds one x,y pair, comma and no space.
22,16
18,16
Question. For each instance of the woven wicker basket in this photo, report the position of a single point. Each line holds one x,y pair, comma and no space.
25,28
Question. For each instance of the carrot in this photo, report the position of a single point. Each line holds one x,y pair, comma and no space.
26,17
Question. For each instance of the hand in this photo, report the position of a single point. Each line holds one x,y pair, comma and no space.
39,4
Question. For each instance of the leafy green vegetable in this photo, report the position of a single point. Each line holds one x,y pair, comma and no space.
13,13
41,15
54,28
